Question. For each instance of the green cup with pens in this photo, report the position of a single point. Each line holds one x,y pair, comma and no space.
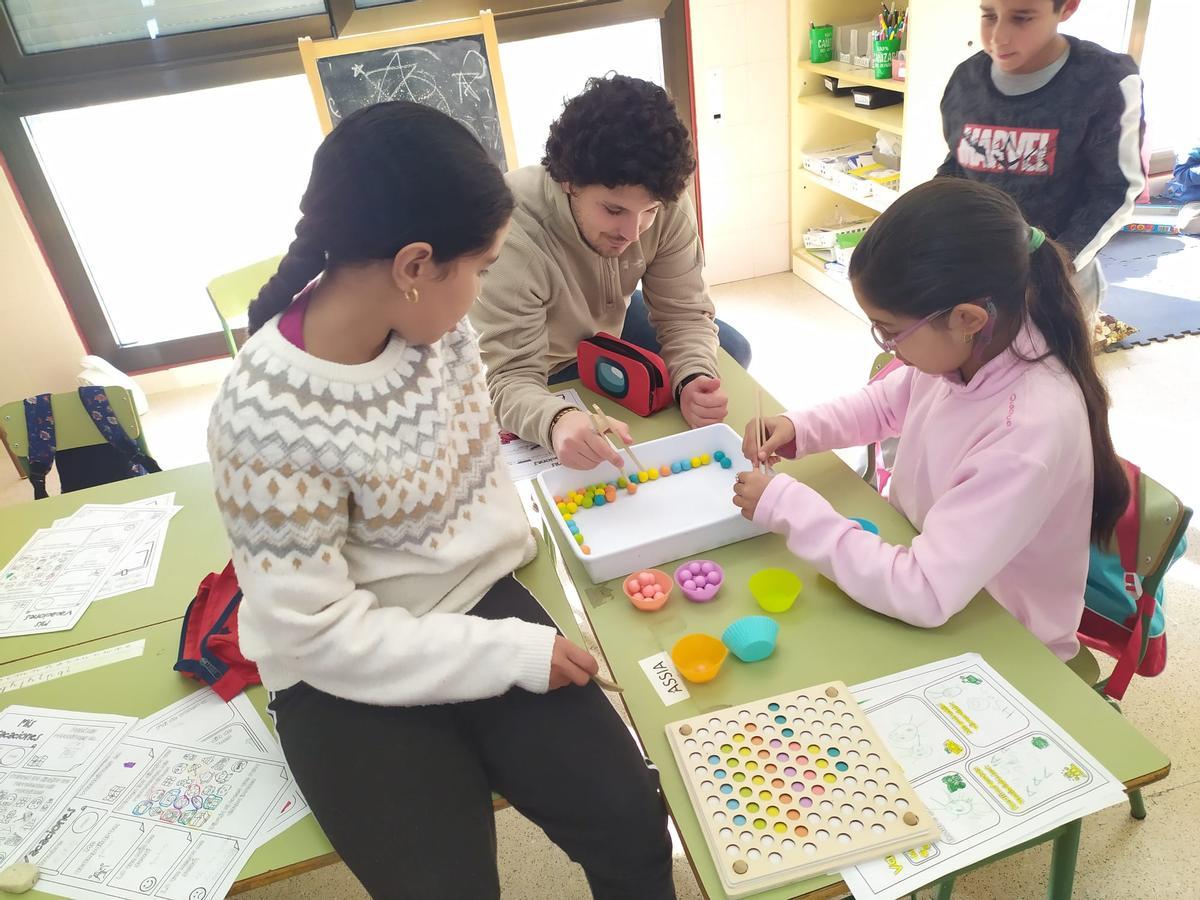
887,37
820,43
885,52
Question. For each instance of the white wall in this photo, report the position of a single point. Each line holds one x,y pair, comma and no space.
541,74
39,347
943,34
739,56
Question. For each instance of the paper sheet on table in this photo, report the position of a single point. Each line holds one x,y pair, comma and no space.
526,459
60,571
205,720
139,568
45,758
174,810
992,768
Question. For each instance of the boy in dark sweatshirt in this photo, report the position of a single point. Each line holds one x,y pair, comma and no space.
1054,121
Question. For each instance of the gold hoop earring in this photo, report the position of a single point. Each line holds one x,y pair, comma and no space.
412,295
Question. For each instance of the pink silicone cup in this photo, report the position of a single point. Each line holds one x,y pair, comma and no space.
700,594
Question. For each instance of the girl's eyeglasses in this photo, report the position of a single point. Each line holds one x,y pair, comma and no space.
890,342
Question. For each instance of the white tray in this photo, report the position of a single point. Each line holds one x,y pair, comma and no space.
668,519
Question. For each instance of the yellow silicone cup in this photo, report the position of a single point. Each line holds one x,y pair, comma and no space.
698,657
775,589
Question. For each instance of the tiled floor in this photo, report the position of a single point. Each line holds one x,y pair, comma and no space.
806,350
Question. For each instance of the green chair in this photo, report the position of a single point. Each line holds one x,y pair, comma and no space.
1163,526
232,293
72,424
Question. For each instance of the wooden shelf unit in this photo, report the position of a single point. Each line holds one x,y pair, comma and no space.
876,203
941,34
854,75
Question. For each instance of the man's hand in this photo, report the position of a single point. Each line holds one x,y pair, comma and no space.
578,446
702,402
570,664
748,490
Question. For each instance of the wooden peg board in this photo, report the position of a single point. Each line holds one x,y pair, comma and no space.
793,786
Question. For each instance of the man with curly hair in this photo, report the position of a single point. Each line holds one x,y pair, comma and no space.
606,210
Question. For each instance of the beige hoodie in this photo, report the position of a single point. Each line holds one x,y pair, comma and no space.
550,290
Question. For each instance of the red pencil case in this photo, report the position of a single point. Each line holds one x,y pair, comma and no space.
631,375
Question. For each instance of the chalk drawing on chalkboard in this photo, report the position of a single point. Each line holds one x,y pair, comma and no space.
407,75
452,67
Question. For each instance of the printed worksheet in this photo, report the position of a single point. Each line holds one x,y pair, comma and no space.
139,568
526,459
205,720
991,767
174,810
45,754
60,571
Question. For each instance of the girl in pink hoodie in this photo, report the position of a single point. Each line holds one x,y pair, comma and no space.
1005,463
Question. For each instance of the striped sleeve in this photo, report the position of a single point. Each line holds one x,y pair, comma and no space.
1114,154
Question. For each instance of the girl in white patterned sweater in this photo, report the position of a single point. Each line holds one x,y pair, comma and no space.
374,532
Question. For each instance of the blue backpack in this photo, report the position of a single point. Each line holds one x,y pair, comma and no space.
118,458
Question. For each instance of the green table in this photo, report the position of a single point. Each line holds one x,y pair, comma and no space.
196,545
144,685
825,636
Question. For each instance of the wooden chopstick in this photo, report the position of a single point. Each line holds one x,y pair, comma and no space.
760,435
600,430
758,428
607,685
608,424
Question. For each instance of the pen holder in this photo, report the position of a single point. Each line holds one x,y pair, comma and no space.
820,44
885,52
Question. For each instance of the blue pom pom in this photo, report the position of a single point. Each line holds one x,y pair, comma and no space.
687,465
727,463
719,456
599,501
633,477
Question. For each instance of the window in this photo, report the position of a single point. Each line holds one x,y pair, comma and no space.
162,194
151,165
45,25
541,73
1172,112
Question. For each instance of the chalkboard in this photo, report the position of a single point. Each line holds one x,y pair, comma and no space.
452,72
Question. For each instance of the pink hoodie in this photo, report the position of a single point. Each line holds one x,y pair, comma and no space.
995,474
